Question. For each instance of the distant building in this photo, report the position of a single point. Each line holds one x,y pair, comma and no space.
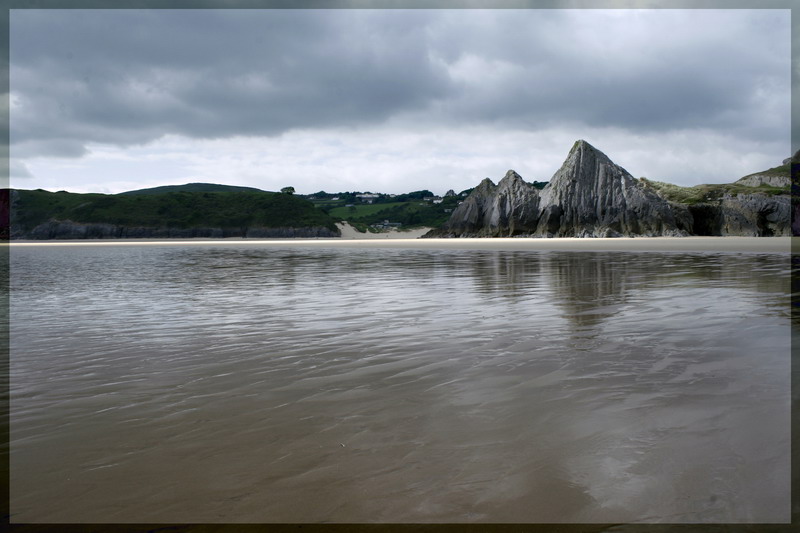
368,198
386,225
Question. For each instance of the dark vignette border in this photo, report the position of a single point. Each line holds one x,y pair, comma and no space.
390,4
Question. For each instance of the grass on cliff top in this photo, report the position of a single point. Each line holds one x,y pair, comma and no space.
706,192
171,209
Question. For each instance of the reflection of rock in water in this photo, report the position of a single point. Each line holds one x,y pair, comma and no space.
590,287
508,274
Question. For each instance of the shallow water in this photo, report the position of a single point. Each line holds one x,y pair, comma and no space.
280,384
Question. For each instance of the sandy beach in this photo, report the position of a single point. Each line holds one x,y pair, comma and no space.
410,240
349,232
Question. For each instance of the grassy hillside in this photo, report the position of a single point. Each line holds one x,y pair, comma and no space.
706,192
411,214
711,192
361,210
172,209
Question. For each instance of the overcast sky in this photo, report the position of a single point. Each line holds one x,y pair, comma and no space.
391,100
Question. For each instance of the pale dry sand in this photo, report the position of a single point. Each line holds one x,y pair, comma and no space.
639,244
349,232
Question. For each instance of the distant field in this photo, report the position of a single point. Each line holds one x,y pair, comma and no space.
362,210
410,214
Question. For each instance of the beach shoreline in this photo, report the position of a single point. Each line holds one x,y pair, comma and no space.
622,244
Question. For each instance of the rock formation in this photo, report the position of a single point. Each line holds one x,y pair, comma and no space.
503,210
590,196
748,215
757,180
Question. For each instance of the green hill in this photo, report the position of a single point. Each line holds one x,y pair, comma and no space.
192,187
227,210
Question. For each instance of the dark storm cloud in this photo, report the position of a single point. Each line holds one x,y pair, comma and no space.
127,77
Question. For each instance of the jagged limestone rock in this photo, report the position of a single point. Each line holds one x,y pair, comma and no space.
756,215
509,208
590,196
746,215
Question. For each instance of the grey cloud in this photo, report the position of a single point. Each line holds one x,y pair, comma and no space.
128,77
672,77
18,170
66,148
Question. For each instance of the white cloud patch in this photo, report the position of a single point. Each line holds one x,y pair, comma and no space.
378,160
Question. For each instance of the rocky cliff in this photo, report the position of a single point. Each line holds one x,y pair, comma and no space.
794,171
509,208
748,215
591,196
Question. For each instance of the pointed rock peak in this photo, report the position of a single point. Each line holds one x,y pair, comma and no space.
486,183
580,144
512,180
510,177
583,149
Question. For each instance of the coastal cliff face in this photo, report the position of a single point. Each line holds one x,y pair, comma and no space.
590,196
794,166
748,215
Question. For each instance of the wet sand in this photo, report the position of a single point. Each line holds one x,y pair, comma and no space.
401,240
221,384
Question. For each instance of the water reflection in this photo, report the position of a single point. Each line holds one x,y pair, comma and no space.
276,384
